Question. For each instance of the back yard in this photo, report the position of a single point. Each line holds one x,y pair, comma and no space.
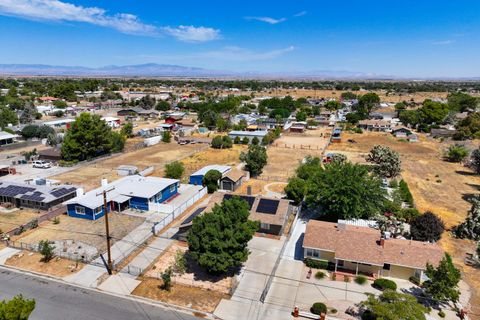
436,185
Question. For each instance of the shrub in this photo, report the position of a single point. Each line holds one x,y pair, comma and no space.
319,275
368,315
393,184
334,276
456,153
174,170
346,279
166,136
384,284
56,220
333,311
318,308
46,250
441,314
361,280
237,140
405,192
316,264
414,280
167,279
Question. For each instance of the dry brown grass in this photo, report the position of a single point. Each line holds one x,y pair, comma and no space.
186,296
87,231
57,267
12,220
90,175
256,185
436,185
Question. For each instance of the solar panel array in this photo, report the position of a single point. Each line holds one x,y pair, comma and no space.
268,206
13,191
62,192
249,199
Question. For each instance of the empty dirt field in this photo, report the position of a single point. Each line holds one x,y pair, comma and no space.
82,230
208,156
436,185
285,154
32,261
89,175
12,220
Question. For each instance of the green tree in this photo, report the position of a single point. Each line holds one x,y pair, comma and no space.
333,105
427,227
255,159
348,95
245,140
117,141
7,116
295,190
470,228
18,308
391,305
127,130
388,163
166,136
167,279
346,191
475,160
443,280
255,141
456,153
211,179
308,167
174,170
461,102
367,103
218,239
60,104
162,106
46,249
301,116
237,140
89,137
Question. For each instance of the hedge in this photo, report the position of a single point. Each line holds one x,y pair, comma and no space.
316,264
318,308
384,284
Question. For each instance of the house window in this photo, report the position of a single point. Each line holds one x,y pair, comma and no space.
79,210
313,253
386,266
265,226
172,188
97,210
340,263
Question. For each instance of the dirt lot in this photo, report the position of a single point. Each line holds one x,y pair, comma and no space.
57,267
287,151
194,275
90,232
436,185
191,297
90,175
210,156
11,220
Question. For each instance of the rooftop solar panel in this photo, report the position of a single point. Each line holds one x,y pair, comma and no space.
268,206
249,199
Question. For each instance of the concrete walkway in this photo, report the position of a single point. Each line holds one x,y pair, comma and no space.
141,262
7,253
87,277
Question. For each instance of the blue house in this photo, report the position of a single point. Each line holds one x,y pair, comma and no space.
136,192
196,178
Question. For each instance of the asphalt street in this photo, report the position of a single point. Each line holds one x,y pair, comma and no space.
60,301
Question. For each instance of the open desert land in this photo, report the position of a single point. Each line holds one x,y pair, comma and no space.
82,230
285,153
209,156
436,185
90,175
384,96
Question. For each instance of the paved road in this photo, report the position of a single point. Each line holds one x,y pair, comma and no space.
58,301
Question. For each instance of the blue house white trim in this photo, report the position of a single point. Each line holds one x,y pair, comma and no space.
128,192
196,178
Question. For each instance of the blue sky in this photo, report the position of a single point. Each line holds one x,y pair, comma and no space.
402,38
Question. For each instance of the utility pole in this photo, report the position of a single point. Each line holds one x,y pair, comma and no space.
107,230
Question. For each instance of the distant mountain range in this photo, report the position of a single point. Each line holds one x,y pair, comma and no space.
150,70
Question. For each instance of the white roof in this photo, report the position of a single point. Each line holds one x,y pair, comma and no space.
57,122
259,133
204,170
108,119
6,135
124,189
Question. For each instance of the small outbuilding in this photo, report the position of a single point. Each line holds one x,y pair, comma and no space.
196,178
232,180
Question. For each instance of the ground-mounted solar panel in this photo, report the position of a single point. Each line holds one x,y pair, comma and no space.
249,199
268,206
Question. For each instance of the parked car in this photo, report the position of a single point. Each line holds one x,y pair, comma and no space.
41,164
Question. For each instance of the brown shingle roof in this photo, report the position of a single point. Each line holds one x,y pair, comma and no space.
362,244
234,175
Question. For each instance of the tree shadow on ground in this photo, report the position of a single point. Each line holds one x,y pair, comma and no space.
469,197
475,186
424,299
465,173
299,248
200,274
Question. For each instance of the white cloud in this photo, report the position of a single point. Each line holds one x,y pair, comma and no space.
267,19
300,14
442,42
193,34
56,10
